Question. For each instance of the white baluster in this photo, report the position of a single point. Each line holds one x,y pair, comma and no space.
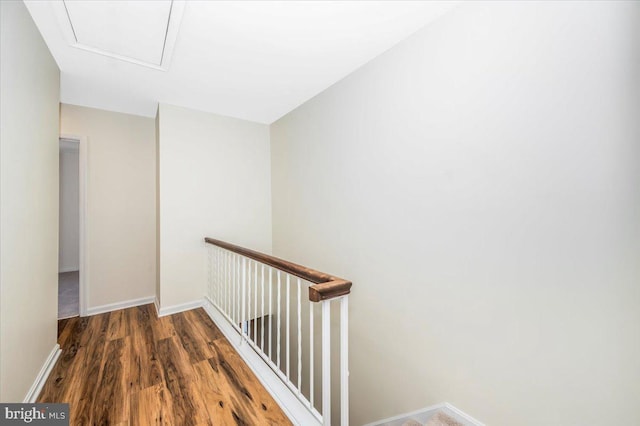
326,362
226,282
238,287
288,325
299,336
241,268
230,286
255,306
311,338
248,300
209,271
213,289
216,277
344,361
279,311
270,314
262,311
244,294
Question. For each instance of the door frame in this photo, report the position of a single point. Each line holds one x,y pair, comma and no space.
83,286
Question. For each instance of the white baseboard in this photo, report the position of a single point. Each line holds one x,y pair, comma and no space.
161,312
174,309
290,404
424,414
69,269
120,305
42,376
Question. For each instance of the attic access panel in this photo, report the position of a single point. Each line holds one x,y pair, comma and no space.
141,32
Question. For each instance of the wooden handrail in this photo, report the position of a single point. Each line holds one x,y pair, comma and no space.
325,286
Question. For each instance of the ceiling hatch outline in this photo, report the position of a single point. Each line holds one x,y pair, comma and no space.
176,11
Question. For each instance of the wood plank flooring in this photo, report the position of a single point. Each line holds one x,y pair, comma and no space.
129,367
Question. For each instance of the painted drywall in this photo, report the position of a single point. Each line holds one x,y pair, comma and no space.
214,181
121,229
479,185
69,213
29,97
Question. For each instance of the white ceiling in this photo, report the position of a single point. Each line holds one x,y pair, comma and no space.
251,60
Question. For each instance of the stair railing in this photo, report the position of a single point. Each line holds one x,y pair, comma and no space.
261,296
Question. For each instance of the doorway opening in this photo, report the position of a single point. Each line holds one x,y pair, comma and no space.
71,271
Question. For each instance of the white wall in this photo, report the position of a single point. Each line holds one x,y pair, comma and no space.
69,219
29,96
121,228
479,184
214,181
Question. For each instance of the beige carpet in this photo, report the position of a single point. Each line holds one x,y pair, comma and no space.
441,419
438,419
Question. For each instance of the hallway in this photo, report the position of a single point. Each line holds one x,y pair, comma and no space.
131,367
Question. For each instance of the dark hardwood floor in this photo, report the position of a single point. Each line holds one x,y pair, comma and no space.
130,367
